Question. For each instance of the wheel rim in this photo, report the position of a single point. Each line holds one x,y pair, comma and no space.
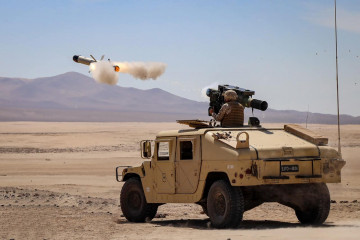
219,204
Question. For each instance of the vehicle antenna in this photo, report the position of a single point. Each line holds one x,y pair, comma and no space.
307,116
337,84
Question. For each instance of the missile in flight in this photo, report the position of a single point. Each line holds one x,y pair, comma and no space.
88,61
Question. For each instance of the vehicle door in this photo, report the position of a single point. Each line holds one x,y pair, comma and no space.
187,164
164,165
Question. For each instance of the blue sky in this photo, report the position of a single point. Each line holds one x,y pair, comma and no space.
284,50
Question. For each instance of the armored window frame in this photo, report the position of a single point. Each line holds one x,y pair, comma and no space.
162,156
186,150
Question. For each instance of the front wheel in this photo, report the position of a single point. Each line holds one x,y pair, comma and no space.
316,211
133,202
225,205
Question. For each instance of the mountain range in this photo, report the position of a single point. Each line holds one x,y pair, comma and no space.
75,97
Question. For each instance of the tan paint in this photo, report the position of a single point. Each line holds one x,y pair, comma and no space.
188,171
183,181
164,170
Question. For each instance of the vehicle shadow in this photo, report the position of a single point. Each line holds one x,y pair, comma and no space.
246,224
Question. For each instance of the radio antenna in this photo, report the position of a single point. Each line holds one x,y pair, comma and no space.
307,116
337,84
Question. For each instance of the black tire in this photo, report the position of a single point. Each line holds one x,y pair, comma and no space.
133,203
317,208
225,205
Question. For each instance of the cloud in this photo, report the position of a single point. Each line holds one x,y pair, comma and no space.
346,20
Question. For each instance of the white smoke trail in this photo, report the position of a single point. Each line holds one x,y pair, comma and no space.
141,70
213,86
103,72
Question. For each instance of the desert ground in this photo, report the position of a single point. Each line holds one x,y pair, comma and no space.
57,181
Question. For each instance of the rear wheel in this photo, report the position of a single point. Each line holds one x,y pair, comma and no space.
317,207
225,205
133,203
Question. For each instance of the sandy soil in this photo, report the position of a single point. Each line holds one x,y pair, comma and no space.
57,182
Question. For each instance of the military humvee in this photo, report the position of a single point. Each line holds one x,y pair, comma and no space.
231,170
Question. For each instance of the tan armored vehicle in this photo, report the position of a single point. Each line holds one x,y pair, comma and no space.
231,170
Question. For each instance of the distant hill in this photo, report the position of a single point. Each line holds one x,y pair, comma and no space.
76,97
292,116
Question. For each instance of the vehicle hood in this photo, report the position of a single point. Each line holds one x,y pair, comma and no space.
271,143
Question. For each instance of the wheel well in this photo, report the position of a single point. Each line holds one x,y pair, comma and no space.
210,179
131,175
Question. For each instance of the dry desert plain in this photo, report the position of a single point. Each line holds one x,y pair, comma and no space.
57,182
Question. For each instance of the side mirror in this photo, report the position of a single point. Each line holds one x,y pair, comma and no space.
145,149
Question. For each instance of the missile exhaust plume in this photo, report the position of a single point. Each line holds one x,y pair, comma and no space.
108,72
103,72
141,70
